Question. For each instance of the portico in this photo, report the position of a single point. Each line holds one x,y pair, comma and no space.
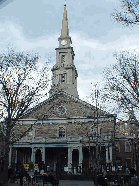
54,155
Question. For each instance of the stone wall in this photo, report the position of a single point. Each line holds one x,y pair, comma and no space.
72,129
77,119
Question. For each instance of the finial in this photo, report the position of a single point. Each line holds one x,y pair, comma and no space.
65,3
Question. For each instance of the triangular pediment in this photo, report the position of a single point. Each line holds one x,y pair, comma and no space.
61,105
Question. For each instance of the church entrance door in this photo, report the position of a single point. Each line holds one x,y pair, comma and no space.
75,157
38,156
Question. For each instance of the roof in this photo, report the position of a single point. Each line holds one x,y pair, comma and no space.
67,96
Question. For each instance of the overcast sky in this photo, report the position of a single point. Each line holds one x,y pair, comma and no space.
36,25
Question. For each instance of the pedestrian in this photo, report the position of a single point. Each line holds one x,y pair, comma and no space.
21,175
104,172
132,171
2,164
123,168
51,173
9,173
31,166
127,170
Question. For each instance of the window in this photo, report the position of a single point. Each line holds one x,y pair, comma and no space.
63,59
62,78
127,147
61,132
61,110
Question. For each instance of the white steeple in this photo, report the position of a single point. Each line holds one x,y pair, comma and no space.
64,71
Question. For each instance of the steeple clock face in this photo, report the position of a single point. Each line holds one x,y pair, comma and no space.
63,42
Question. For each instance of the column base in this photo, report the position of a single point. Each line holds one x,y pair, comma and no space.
70,168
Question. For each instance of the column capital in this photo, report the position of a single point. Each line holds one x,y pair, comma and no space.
79,147
70,148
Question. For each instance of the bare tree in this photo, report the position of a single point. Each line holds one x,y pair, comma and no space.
129,15
120,87
22,82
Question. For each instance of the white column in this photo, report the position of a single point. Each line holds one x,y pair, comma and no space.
10,155
110,152
106,154
80,157
43,154
69,159
16,157
33,155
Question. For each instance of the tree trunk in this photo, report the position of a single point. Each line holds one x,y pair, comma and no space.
6,162
6,152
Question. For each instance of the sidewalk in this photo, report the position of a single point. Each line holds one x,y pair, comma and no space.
25,184
61,183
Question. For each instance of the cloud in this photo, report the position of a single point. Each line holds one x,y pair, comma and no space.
100,54
21,41
4,3
2,30
88,50
12,33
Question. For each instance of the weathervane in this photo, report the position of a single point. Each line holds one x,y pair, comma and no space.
65,3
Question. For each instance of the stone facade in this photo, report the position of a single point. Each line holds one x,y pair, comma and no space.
78,118
74,127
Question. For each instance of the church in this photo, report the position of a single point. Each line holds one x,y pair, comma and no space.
63,132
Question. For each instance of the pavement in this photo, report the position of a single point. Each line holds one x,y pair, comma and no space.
61,183
75,183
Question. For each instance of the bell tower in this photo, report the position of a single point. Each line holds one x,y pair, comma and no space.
64,71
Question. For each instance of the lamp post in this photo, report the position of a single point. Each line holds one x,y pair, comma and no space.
89,153
97,160
90,135
133,150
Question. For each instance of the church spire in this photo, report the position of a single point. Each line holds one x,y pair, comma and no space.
64,71
65,30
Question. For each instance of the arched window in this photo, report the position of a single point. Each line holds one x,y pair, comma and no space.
62,78
63,59
61,132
